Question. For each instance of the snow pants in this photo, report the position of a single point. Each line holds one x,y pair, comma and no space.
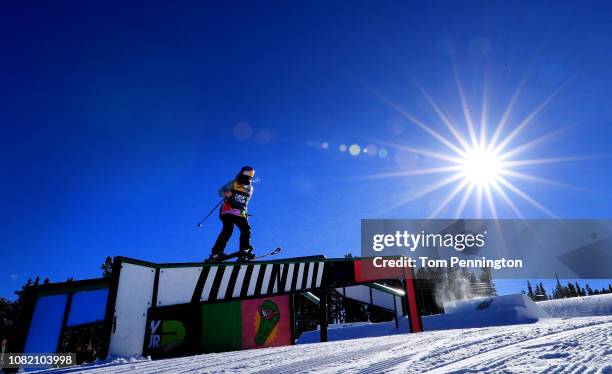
229,220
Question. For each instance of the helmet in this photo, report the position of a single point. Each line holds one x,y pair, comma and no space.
247,170
246,175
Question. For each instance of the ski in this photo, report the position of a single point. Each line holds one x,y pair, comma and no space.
242,256
271,253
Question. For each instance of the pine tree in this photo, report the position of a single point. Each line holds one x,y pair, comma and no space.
486,277
306,315
335,308
355,311
559,292
530,290
580,290
542,291
107,267
13,315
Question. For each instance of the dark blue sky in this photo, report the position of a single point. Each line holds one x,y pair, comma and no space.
120,120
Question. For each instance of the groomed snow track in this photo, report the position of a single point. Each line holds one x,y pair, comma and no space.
555,345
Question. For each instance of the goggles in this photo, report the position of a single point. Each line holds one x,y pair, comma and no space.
248,173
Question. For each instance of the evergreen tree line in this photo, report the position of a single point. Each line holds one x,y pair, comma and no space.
12,320
538,293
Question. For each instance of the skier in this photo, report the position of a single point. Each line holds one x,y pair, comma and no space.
237,194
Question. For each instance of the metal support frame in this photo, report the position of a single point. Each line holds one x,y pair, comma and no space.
64,322
323,317
395,312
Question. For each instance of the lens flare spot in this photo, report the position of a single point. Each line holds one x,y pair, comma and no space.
371,150
242,131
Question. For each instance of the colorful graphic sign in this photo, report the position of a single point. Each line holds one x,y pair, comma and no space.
191,329
171,334
266,322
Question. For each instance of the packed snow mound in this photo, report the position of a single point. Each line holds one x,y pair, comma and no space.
483,312
496,304
596,305
551,345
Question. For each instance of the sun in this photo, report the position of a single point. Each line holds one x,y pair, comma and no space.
481,166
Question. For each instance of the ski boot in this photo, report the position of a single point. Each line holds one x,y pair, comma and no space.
246,254
215,257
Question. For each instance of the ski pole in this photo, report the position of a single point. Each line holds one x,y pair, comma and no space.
211,212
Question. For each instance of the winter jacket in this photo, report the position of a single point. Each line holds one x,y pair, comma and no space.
237,203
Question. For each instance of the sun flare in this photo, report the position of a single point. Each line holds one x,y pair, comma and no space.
481,166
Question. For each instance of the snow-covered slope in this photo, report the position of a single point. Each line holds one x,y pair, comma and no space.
560,345
598,305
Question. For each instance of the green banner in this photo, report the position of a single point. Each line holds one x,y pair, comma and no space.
221,327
